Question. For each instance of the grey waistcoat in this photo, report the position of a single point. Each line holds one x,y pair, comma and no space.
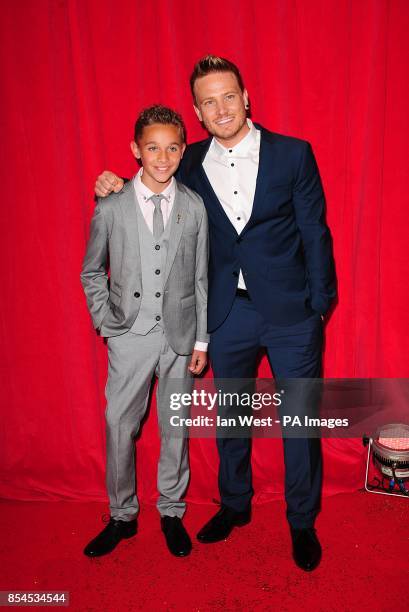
153,259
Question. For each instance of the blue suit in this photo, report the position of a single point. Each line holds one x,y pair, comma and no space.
285,254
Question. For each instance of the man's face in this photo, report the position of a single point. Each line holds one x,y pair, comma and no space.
221,105
160,149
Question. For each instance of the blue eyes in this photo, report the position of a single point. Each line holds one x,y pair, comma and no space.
228,98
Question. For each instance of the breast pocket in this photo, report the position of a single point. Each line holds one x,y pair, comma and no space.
279,197
284,187
189,249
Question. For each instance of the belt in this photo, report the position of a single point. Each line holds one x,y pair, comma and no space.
243,293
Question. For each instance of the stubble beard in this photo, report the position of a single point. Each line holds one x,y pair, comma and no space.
222,135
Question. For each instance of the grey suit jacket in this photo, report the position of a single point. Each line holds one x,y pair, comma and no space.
114,241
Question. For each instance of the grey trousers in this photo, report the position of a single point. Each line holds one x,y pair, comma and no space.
133,361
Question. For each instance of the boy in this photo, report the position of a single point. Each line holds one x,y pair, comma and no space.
152,310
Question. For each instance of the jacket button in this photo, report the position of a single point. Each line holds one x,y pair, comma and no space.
157,271
157,294
235,274
157,317
137,294
157,247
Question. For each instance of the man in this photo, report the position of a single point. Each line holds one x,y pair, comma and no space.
271,280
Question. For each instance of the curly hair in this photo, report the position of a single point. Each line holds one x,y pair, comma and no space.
159,114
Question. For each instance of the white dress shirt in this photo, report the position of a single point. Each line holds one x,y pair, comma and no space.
143,193
232,173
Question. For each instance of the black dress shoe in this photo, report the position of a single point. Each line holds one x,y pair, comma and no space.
109,538
306,548
177,538
221,524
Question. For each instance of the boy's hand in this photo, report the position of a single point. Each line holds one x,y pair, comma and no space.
107,182
198,362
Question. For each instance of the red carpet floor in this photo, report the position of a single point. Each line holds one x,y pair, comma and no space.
365,564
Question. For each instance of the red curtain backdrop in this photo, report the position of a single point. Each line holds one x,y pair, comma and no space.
74,75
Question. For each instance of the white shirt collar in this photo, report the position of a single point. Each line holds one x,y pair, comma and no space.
242,148
145,193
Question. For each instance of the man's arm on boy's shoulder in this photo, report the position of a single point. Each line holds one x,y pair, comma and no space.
94,274
108,182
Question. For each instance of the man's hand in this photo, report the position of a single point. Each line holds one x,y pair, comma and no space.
198,362
107,182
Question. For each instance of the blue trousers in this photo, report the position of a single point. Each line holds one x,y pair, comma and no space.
293,352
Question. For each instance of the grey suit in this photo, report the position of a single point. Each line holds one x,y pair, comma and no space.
114,231
135,354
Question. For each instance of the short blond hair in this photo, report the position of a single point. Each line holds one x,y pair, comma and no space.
214,63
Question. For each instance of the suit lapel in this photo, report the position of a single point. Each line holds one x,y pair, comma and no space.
268,165
214,202
264,168
203,186
128,204
177,220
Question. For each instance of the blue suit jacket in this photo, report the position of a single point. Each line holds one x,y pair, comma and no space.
285,250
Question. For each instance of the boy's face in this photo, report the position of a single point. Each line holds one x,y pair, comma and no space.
221,106
160,150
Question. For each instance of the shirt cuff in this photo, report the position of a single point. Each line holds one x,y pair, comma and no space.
201,346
